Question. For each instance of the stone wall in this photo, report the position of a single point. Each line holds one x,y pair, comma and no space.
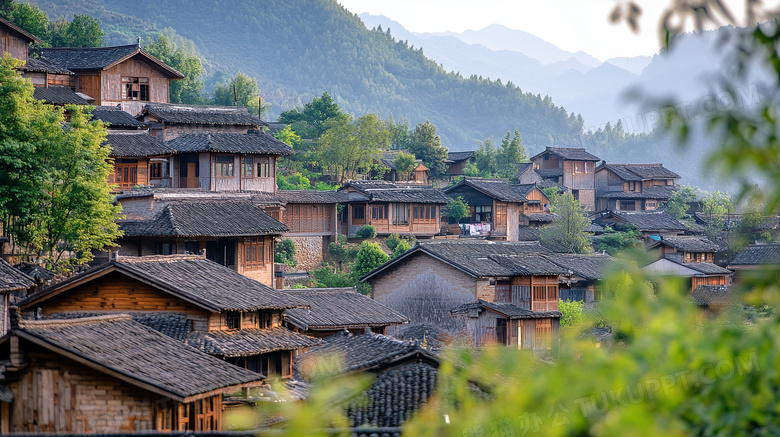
308,252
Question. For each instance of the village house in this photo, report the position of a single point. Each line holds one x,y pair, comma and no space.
495,207
125,75
501,323
582,282
109,374
417,175
168,121
405,375
197,301
687,248
692,274
437,276
334,310
457,162
653,225
712,299
633,187
572,168
14,40
234,232
12,282
392,208
754,259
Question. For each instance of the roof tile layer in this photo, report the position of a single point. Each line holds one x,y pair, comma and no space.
259,143
333,308
135,145
247,342
196,114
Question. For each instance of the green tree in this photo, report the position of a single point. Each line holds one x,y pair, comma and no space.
369,257
401,248
284,252
288,136
392,241
366,231
458,209
312,121
404,163
190,89
342,252
351,148
717,204
30,18
241,91
616,241
512,153
571,312
426,145
568,229
84,31
678,204
486,158
54,200
6,9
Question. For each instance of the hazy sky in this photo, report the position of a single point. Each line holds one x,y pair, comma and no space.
573,25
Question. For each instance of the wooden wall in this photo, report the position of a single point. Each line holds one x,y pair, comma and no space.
111,81
263,273
10,42
90,84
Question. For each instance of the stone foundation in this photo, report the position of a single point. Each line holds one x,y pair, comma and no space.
308,252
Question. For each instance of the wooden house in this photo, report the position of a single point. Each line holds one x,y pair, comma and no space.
237,234
109,374
457,162
139,160
121,75
312,221
226,161
437,276
692,274
651,224
686,248
334,310
584,273
755,259
12,281
404,375
506,324
712,299
14,40
633,187
168,121
418,175
203,304
572,168
391,208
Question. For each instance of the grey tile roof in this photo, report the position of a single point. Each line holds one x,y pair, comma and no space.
527,233
479,258
407,195
569,153
139,353
196,114
115,117
59,95
174,325
509,310
311,196
333,308
711,295
100,58
541,217
248,342
647,220
8,25
259,143
43,65
135,145
499,189
590,267
368,184
12,279
228,218
37,272
195,279
703,268
689,244
758,254
460,156
639,172
550,172
656,192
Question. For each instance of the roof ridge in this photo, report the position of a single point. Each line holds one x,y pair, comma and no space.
75,321
159,258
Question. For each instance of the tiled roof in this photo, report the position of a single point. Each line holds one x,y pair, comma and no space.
570,153
524,167
367,184
59,95
499,189
460,156
408,195
527,233
639,172
43,65
548,183
657,192
139,354
509,310
135,145
589,267
12,279
541,217
648,220
339,308
689,243
100,58
37,272
711,295
758,254
174,325
550,172
311,196
115,117
259,143
704,268
7,24
479,258
230,218
192,278
196,114
247,342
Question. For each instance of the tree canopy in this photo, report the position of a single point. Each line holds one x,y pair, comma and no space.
426,145
568,229
190,89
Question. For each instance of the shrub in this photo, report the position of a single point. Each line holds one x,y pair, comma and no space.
284,252
369,257
392,241
327,278
400,248
366,231
458,209
571,312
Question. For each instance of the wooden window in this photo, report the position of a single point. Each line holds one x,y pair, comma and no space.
247,167
503,292
379,212
580,167
400,213
254,251
502,336
543,334
165,248
424,213
266,320
650,204
501,215
126,175
632,186
223,166
135,88
165,414
627,206
358,212
158,169
483,213
265,167
233,320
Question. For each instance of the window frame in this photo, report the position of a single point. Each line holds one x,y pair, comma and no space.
358,212
254,252
247,167
143,88
223,168
233,320
401,213
379,212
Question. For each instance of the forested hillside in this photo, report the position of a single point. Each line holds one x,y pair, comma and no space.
298,49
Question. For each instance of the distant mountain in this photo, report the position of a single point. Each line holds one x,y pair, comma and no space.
634,65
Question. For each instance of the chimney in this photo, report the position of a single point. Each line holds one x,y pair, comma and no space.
138,43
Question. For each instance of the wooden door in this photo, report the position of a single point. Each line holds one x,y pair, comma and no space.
500,219
192,180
